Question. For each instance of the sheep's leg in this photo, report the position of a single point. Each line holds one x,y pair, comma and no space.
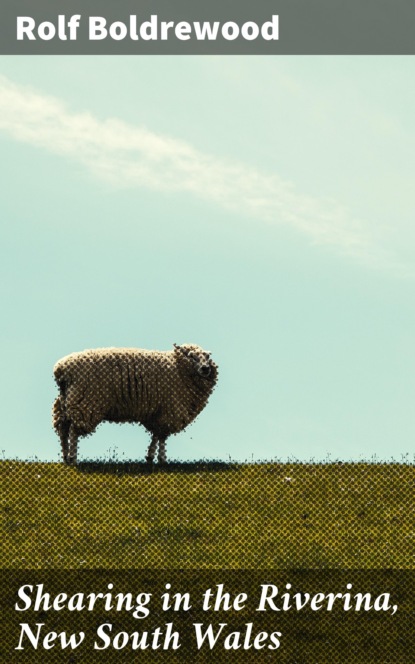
61,425
152,449
64,437
162,451
73,445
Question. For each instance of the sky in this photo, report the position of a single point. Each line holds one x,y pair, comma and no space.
261,207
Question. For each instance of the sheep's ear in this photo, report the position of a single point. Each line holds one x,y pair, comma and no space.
182,350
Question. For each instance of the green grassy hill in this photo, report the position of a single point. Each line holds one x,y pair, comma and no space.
207,515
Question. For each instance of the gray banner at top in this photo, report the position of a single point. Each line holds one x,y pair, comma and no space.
193,27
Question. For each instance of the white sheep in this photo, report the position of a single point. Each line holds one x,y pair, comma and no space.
162,390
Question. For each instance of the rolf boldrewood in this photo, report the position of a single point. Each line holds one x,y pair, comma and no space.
98,28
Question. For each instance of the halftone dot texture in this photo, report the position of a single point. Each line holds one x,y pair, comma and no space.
140,526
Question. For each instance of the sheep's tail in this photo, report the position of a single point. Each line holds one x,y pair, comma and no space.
59,407
60,378
58,413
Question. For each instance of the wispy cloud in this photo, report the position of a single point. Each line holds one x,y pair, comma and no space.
131,156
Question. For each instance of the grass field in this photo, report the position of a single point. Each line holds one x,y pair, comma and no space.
207,515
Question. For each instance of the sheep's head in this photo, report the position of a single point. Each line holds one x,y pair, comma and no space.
197,360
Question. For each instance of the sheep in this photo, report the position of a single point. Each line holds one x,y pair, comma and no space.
164,391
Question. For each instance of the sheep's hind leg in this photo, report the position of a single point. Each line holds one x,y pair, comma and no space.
64,437
162,451
61,425
152,449
73,445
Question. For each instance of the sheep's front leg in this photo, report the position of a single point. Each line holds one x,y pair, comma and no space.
73,445
162,451
152,449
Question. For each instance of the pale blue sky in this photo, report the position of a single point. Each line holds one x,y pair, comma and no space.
261,207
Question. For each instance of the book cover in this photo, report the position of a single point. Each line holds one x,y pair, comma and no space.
207,339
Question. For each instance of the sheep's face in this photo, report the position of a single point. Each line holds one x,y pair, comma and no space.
197,359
